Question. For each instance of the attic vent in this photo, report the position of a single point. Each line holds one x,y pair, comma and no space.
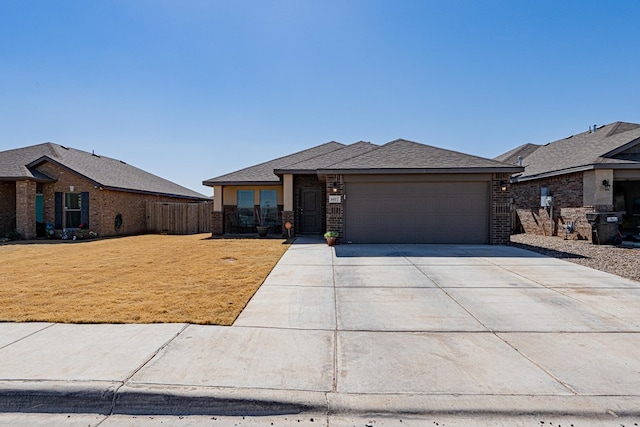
122,162
93,153
66,148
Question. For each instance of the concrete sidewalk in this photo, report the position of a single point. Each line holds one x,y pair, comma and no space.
358,329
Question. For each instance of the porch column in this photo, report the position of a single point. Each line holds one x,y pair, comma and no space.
217,214
287,209
26,209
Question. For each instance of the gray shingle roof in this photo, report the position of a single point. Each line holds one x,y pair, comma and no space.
103,171
342,154
363,157
402,155
583,151
263,173
512,156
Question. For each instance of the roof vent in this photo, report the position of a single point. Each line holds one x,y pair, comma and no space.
66,148
93,153
519,160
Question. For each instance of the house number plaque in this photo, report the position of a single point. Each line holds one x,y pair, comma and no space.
335,199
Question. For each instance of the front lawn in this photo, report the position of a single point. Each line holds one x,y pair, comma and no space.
139,279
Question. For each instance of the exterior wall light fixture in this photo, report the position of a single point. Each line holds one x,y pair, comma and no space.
607,184
335,187
503,185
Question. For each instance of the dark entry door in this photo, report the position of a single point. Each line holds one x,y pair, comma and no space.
310,210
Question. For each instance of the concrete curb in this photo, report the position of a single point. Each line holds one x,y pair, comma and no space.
497,405
57,396
110,398
182,400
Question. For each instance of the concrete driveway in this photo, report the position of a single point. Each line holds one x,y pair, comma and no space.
363,329
436,320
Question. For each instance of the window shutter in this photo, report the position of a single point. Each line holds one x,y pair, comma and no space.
58,211
84,213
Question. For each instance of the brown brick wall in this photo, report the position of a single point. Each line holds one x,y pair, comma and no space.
335,211
217,223
104,205
26,209
567,191
500,209
7,207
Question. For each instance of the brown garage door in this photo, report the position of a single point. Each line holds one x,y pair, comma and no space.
417,212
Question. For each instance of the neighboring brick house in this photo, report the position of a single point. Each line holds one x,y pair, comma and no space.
594,171
72,189
400,192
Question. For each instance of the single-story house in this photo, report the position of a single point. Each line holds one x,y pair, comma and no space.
594,171
73,189
399,192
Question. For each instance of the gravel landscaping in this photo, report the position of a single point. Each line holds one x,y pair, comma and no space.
624,262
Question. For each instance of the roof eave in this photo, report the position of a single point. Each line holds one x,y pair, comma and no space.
227,183
26,178
552,173
294,171
154,193
396,171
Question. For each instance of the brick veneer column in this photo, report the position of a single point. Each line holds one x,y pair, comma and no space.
26,209
335,211
500,209
217,223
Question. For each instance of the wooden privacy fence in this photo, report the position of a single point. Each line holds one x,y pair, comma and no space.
179,218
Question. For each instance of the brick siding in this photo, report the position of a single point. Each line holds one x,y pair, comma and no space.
335,211
567,191
104,205
7,207
500,209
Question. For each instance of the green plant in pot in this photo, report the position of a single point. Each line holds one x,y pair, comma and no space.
332,237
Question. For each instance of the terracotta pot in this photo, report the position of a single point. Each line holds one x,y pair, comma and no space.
331,241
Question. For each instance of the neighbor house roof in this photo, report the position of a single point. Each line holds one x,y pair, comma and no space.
517,154
610,146
105,172
400,156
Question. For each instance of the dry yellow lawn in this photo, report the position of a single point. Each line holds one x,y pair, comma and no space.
140,279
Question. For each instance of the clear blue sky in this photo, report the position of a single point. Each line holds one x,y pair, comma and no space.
190,90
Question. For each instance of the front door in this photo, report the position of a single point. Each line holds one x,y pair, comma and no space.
311,211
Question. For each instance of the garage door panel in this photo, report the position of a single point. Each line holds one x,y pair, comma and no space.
417,212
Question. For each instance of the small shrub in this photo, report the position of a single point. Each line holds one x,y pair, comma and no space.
14,235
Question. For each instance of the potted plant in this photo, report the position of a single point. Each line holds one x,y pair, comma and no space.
262,228
331,237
